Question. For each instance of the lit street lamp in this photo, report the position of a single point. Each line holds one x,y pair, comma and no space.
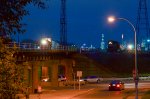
111,19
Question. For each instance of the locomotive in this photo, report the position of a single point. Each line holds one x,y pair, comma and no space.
113,46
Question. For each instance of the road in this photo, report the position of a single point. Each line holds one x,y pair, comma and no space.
101,92
93,91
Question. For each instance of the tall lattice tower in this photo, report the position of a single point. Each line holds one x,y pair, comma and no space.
63,23
142,25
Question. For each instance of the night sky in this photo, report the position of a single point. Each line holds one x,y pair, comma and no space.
86,21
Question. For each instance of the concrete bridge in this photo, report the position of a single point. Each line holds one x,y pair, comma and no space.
45,64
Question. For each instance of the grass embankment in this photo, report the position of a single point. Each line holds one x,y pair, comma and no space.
111,65
89,66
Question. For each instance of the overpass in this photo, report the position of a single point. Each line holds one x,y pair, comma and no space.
50,62
44,63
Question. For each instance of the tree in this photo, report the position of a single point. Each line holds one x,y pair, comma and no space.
12,78
11,14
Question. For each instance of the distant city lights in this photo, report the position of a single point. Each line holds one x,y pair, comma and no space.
148,40
130,47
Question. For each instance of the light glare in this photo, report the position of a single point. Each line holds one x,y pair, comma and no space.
43,42
130,47
111,19
110,43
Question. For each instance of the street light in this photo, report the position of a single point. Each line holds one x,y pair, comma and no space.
111,19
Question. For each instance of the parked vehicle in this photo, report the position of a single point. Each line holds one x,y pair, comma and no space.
113,46
62,78
45,79
92,79
116,85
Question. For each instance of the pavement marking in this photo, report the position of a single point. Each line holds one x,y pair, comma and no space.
53,90
90,89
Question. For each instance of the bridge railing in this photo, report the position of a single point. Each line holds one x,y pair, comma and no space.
34,46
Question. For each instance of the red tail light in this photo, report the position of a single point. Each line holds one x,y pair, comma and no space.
118,85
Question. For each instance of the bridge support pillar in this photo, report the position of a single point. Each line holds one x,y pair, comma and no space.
69,69
54,82
35,78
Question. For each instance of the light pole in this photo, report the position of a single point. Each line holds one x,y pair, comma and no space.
112,19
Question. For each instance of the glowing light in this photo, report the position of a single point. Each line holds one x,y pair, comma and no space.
38,47
111,19
49,39
122,36
130,47
46,79
81,80
43,41
118,85
110,43
148,40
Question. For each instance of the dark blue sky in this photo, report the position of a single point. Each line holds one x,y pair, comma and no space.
86,21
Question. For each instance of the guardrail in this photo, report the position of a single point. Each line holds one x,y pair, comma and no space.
34,46
126,79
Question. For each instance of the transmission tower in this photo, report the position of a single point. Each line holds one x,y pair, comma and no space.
63,23
142,25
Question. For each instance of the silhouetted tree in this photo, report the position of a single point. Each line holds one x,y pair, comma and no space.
11,14
12,75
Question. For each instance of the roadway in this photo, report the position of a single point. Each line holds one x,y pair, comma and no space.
101,92
92,91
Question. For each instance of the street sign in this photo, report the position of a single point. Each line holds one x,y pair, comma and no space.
79,73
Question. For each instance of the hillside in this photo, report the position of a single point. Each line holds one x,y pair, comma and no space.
111,64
